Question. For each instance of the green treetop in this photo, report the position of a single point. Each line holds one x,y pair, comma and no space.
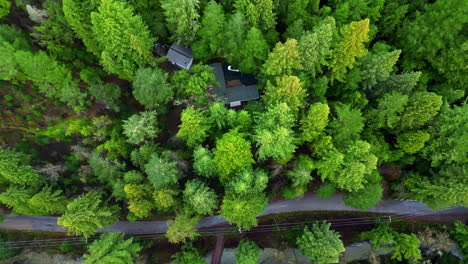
232,153
14,168
182,18
243,210
210,42
86,214
253,51
112,248
283,60
321,244
123,38
140,127
194,127
151,89
378,64
314,121
161,172
247,252
199,197
421,107
287,89
259,13
351,46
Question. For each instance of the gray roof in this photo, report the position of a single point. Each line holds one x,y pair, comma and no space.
232,94
180,56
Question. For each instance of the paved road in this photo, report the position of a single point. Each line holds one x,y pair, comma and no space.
308,203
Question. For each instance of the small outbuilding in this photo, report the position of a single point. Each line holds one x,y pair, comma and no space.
234,87
180,56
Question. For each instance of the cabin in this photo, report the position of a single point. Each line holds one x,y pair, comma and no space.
180,56
234,87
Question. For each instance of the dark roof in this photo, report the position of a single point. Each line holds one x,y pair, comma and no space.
244,92
180,56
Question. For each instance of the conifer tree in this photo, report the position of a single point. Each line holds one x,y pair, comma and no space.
151,88
421,107
234,33
140,127
351,46
259,13
247,252
123,38
161,172
378,64
286,89
182,18
253,51
194,127
112,248
199,197
315,46
210,42
182,228
14,168
283,60
87,213
314,121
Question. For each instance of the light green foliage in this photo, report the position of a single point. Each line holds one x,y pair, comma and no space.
48,202
14,168
140,127
126,47
78,16
412,142
194,126
449,130
315,46
133,176
203,162
378,64
446,188
139,199
194,82
292,193
278,144
87,213
422,106
243,211
247,252
106,93
182,228
326,191
182,18
348,169
165,198
16,198
142,155
283,60
188,255
234,34
300,175
351,46
151,89
406,247
4,8
347,126
314,122
112,248
248,183
380,237
321,244
460,235
287,89
259,13
253,51
389,110
200,198
210,35
243,121
220,116
273,134
365,198
232,153
161,172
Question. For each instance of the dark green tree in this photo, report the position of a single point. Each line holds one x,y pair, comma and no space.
247,252
195,81
253,51
188,255
210,42
182,18
365,198
203,162
235,32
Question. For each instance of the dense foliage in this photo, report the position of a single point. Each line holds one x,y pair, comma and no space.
94,128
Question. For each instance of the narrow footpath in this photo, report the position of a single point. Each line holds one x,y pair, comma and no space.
410,209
